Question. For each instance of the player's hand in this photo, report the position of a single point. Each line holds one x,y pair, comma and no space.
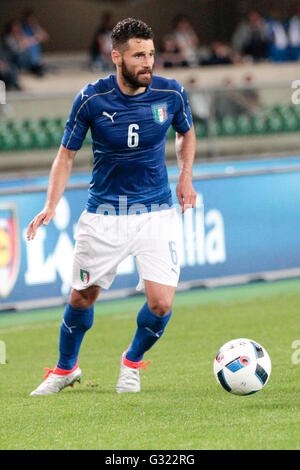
185,192
43,218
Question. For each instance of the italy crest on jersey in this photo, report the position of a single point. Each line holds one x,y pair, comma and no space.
9,248
160,112
84,276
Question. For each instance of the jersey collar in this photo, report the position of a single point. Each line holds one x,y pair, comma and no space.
137,97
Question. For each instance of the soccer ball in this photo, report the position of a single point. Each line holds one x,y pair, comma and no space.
242,366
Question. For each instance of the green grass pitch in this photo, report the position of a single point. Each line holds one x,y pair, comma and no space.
181,406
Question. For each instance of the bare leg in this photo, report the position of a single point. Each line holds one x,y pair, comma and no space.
84,298
160,297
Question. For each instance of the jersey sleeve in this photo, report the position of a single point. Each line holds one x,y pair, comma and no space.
182,120
78,123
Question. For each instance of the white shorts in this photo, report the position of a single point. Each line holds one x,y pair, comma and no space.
104,241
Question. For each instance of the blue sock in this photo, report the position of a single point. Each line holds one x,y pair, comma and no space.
150,327
75,323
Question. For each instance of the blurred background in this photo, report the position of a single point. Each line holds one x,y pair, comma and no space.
236,59
239,62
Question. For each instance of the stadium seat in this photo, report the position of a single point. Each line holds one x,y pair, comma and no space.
259,124
31,125
7,142
243,125
87,140
40,139
171,133
15,125
23,140
295,109
54,136
227,126
61,123
290,122
275,123
47,132
280,109
200,129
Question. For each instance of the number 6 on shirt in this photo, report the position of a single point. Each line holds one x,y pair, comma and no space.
133,137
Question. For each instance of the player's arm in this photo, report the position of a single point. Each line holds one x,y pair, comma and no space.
59,176
74,134
185,146
185,152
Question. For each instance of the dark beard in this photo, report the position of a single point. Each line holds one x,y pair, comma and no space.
135,81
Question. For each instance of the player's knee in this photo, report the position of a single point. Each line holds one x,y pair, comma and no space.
160,306
84,298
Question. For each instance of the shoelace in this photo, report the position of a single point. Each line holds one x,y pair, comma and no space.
59,371
143,365
49,371
135,365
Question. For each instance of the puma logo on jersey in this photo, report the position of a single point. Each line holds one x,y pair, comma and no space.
83,95
110,116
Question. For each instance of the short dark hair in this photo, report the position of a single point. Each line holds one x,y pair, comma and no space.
128,29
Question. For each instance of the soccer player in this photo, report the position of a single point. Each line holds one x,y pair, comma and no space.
129,209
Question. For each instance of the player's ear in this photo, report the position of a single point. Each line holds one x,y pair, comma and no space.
116,57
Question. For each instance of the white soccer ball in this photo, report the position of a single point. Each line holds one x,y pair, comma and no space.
242,366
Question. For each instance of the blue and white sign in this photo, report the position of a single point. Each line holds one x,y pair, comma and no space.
243,225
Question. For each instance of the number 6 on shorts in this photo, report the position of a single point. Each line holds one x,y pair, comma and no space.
173,252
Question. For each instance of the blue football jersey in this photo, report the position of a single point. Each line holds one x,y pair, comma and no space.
128,137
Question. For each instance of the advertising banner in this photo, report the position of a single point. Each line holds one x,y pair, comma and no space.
244,226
